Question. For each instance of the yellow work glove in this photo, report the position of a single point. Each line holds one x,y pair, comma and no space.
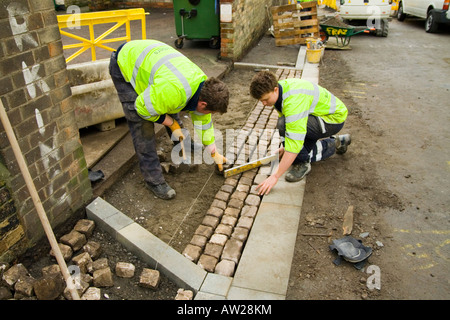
176,131
219,160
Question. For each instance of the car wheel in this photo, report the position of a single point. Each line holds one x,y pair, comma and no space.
431,25
400,15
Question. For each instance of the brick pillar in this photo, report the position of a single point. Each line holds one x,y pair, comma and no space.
35,92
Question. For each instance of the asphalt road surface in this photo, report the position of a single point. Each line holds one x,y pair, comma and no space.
407,77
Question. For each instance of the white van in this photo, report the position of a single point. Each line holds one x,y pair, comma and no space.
373,13
434,11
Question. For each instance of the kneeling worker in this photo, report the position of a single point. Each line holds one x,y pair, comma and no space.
154,83
310,116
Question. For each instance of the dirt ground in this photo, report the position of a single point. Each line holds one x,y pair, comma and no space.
332,186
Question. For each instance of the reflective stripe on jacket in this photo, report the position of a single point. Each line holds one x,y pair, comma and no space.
164,80
302,98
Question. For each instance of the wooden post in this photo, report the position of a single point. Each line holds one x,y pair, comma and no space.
37,202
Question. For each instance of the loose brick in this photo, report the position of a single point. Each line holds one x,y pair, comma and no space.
93,248
98,264
74,239
66,251
149,278
13,274
184,295
103,278
85,227
49,287
82,261
92,293
51,269
125,269
24,286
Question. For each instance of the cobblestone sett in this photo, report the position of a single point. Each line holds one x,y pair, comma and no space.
225,268
218,242
192,252
207,263
219,239
213,250
232,250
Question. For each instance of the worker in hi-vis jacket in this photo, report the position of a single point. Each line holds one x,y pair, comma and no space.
154,83
309,118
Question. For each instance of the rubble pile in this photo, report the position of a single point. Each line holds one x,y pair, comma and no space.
88,271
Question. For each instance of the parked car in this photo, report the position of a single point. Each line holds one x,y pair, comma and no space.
372,13
434,11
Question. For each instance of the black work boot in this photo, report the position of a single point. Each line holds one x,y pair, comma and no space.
163,191
342,142
298,171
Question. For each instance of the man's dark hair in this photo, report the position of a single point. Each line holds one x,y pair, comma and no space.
263,82
215,93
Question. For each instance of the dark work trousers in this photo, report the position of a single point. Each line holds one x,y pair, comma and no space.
318,144
142,131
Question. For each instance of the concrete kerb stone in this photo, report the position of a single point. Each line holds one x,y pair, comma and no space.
146,246
211,286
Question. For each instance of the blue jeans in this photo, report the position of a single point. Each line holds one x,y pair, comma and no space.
318,144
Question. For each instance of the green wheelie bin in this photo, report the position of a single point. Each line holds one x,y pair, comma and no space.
197,20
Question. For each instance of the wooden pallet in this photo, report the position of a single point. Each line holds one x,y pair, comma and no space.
294,24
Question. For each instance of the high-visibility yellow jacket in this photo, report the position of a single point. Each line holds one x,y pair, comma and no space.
300,98
165,80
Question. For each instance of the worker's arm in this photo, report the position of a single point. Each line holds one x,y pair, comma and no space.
174,127
286,161
217,157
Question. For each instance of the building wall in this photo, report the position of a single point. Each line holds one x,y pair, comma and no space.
250,21
35,92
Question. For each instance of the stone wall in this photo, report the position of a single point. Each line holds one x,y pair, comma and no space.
35,92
